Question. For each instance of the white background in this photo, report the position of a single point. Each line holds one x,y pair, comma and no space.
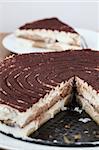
84,14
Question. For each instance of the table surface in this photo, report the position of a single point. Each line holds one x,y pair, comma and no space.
3,51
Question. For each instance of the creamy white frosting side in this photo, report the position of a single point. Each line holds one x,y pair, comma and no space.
46,47
35,124
49,36
89,108
20,118
87,92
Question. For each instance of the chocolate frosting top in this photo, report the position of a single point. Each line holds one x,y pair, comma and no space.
50,23
25,78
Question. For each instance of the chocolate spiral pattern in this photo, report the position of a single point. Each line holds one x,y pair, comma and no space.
25,78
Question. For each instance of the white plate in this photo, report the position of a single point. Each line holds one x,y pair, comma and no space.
13,44
14,144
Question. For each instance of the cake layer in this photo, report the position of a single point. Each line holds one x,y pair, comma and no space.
12,116
49,37
88,107
68,41
88,98
34,124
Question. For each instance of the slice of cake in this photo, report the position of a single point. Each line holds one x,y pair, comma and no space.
50,34
34,87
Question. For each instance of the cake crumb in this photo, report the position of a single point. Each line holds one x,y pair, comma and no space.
84,120
86,131
77,109
77,136
67,140
67,126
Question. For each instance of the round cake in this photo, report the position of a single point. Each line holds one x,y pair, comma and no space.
31,82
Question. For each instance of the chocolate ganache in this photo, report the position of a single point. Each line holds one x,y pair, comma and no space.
25,78
48,24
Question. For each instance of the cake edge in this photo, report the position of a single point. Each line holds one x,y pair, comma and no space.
42,38
88,98
12,116
35,124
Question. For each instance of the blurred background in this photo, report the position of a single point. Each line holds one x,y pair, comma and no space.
83,14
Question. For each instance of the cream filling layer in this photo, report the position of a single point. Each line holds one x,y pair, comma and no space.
85,90
58,46
34,124
13,116
49,36
88,108
88,98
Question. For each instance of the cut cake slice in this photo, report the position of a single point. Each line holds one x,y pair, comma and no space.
51,34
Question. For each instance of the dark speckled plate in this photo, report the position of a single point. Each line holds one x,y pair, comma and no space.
66,130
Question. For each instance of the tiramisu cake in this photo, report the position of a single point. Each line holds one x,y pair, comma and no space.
34,87
51,34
